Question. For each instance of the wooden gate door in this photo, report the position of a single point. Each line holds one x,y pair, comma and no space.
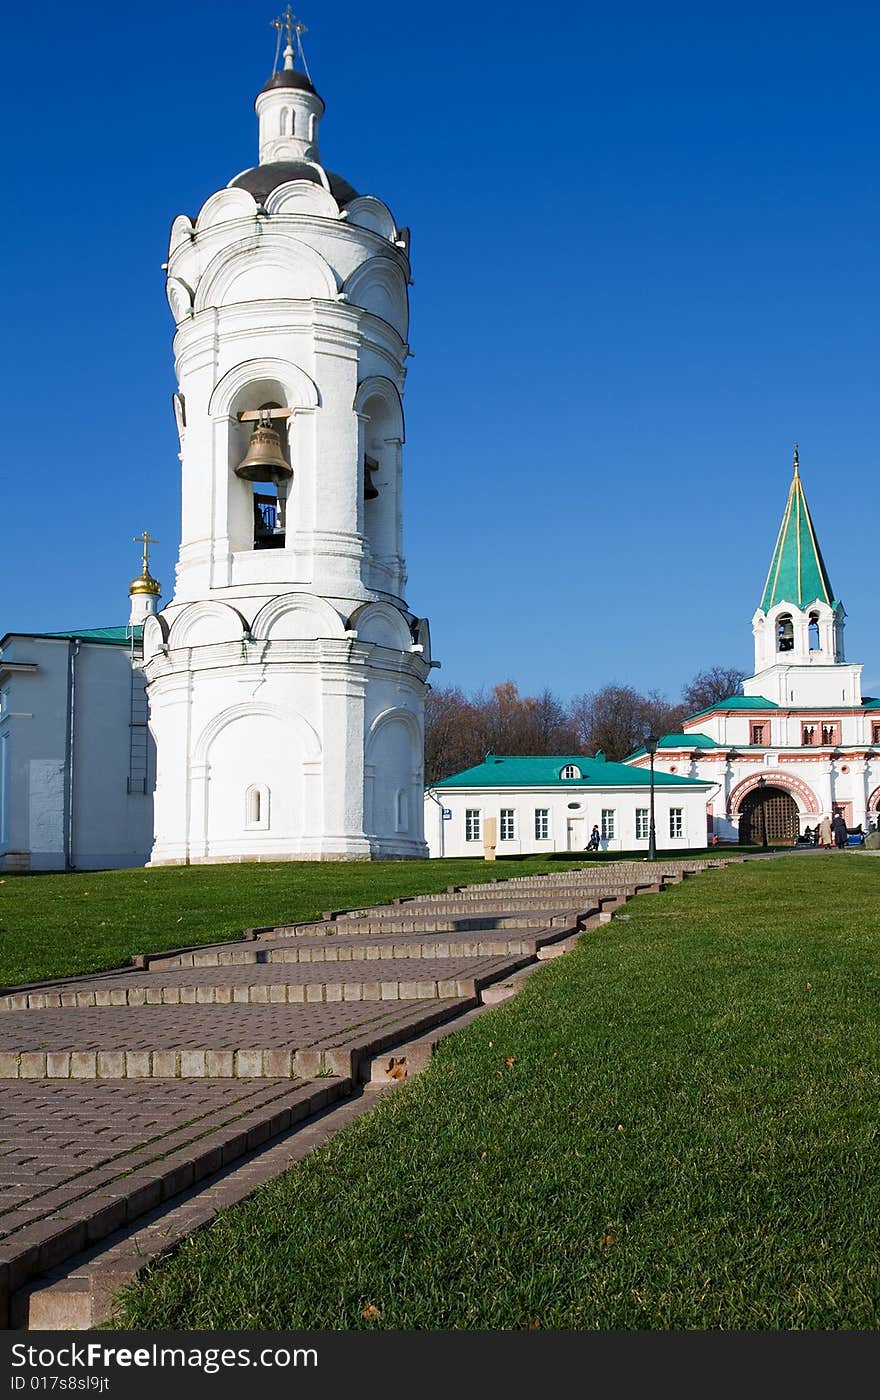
780,818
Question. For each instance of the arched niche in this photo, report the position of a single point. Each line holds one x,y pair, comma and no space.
180,299
225,206
379,286
393,776
155,636
303,197
369,212
269,266
206,624
382,624
249,387
380,416
181,232
297,617
254,748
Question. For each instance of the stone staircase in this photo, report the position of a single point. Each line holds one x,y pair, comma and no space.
129,1095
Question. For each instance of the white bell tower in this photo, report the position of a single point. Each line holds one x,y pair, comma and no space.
287,675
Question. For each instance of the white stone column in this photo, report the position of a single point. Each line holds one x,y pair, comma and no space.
343,691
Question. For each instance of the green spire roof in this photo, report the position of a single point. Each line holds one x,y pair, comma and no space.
797,570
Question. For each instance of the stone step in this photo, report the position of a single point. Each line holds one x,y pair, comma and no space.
323,949
209,1042
400,979
80,1159
548,888
468,923
450,906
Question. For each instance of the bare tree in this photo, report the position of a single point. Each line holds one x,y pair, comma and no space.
455,734
708,687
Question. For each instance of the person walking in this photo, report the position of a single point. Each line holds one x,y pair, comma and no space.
840,832
593,843
825,832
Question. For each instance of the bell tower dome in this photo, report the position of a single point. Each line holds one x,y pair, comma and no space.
287,674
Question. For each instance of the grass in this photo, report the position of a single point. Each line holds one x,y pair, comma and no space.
674,1127
59,925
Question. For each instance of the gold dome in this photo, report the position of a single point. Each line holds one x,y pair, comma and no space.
144,583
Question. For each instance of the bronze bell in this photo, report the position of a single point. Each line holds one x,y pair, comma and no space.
264,460
370,466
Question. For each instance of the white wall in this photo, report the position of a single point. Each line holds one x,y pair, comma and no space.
448,837
108,826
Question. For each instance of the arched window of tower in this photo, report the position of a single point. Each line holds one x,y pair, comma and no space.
784,633
815,644
381,432
284,119
261,475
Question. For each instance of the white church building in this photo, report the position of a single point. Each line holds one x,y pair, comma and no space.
77,763
287,674
801,742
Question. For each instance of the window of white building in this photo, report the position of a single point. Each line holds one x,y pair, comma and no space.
472,824
676,821
542,823
608,814
507,824
256,801
570,770
642,823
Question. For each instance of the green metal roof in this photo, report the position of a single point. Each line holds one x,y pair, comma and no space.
678,741
504,771
738,702
797,570
115,636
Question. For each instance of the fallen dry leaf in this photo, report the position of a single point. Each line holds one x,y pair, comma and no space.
609,1239
510,1060
370,1311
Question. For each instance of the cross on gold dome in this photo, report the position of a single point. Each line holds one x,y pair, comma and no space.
146,540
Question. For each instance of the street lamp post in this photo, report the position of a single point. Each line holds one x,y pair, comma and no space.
651,746
762,783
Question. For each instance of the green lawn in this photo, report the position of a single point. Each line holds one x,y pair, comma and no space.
57,925
674,1127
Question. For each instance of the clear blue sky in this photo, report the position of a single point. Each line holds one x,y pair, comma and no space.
645,260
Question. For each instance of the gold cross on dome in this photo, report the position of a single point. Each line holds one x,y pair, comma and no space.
287,20
146,540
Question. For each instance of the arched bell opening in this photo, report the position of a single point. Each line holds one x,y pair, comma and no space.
770,816
815,641
381,434
784,632
261,470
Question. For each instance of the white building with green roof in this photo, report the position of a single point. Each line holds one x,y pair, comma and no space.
77,763
801,742
536,805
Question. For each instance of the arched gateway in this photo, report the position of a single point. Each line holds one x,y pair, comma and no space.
768,814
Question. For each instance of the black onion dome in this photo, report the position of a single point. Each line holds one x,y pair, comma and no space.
289,78
263,179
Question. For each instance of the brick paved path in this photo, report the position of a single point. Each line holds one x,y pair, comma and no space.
119,1091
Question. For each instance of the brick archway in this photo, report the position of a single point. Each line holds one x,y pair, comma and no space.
806,799
874,801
